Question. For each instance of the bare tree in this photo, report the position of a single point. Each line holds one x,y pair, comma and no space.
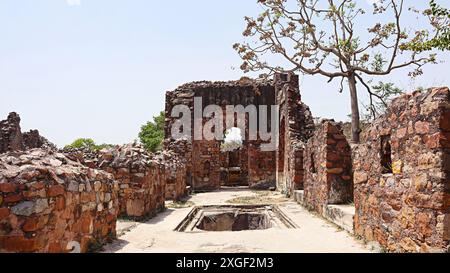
324,38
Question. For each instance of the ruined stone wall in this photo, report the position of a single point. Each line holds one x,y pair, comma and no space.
141,179
401,175
261,167
10,134
182,149
328,169
49,203
208,162
295,166
206,165
33,139
296,127
175,178
12,139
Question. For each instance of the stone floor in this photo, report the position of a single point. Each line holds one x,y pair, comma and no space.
158,236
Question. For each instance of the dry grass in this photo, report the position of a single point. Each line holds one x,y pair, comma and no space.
180,204
259,198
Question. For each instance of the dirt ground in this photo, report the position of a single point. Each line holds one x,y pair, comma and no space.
158,236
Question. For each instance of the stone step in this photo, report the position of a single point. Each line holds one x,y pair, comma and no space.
341,215
298,196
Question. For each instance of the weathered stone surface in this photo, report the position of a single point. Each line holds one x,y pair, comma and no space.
328,170
42,208
12,139
405,204
296,127
360,177
140,176
209,168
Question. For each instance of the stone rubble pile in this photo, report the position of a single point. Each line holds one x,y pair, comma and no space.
84,156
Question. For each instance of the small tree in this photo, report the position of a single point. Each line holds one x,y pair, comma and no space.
385,91
324,38
152,133
86,143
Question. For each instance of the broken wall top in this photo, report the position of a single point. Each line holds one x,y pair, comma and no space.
12,139
429,105
45,166
243,82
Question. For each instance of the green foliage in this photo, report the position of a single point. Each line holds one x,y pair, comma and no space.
384,92
152,133
86,143
440,20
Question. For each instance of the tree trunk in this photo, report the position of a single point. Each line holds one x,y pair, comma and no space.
355,109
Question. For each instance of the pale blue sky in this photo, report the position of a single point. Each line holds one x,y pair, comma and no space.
100,69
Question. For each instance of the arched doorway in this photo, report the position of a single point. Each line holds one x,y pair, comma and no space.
233,153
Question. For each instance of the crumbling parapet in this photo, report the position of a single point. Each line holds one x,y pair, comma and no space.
10,134
141,179
328,169
12,139
401,175
49,203
174,175
296,126
182,149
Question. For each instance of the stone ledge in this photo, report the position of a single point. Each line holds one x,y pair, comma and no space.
341,215
299,196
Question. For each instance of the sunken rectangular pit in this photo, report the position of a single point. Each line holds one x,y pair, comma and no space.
234,218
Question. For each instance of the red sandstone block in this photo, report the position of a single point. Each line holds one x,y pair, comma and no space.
333,156
55,190
86,223
7,187
446,140
434,141
395,144
84,244
34,223
447,201
34,193
422,127
445,121
342,145
18,244
87,197
401,133
60,203
98,226
38,185
423,221
55,247
13,198
4,213
105,230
